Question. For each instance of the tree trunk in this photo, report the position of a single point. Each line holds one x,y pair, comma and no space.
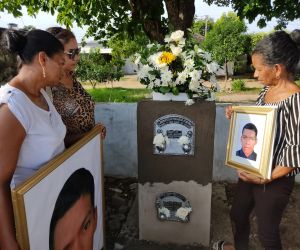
181,13
149,13
226,74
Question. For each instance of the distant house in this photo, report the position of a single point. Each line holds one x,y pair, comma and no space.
129,68
92,45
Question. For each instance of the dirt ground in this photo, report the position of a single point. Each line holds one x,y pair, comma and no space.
122,220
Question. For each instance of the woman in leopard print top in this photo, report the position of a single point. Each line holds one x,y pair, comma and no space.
72,102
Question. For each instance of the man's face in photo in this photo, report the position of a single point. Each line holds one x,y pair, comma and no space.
75,230
248,141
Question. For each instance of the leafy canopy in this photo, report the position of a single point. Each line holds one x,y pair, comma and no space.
105,18
283,10
226,39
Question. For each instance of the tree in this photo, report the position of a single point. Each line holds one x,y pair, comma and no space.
105,18
226,40
202,26
283,10
123,46
93,67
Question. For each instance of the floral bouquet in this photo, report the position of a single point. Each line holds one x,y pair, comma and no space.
178,66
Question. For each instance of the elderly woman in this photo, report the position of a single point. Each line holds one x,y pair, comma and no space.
31,130
275,59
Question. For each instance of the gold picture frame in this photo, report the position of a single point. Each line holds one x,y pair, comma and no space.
40,192
252,119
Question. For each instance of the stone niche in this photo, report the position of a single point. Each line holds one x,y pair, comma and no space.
175,180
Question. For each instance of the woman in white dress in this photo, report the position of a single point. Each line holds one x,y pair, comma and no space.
31,130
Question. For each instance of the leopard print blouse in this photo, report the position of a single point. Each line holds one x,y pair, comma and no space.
75,106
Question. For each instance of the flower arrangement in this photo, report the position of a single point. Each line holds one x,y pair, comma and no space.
178,66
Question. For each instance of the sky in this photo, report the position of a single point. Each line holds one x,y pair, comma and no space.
45,20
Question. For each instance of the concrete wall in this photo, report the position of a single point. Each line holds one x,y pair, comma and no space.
120,145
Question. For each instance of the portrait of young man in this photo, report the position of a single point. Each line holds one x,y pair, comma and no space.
74,218
248,142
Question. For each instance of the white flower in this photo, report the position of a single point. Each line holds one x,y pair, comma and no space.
181,78
181,42
195,75
167,39
214,81
150,45
183,140
183,212
159,140
164,211
212,67
166,76
194,85
177,35
157,82
189,63
189,102
175,50
177,66
206,56
137,59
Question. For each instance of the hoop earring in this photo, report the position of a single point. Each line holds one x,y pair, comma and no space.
44,72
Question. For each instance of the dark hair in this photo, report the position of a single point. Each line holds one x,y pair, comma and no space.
80,183
28,44
280,48
64,35
250,126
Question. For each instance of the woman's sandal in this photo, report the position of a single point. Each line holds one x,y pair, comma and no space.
218,245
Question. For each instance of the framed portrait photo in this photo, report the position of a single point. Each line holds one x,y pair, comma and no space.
251,139
61,205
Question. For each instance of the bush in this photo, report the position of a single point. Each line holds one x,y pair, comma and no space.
238,85
93,67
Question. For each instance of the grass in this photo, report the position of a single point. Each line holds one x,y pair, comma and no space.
118,94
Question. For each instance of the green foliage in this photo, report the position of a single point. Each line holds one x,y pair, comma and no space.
283,10
118,94
238,85
94,68
105,18
226,41
202,26
124,47
256,37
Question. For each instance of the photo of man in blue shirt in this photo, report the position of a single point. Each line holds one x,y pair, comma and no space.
248,141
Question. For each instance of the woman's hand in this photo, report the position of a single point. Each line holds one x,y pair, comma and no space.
228,112
103,130
247,177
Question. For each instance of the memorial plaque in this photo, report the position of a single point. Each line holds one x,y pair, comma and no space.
172,206
179,134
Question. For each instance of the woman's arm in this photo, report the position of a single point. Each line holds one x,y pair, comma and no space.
12,135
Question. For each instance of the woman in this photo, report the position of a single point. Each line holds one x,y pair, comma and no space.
74,104
31,130
275,59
